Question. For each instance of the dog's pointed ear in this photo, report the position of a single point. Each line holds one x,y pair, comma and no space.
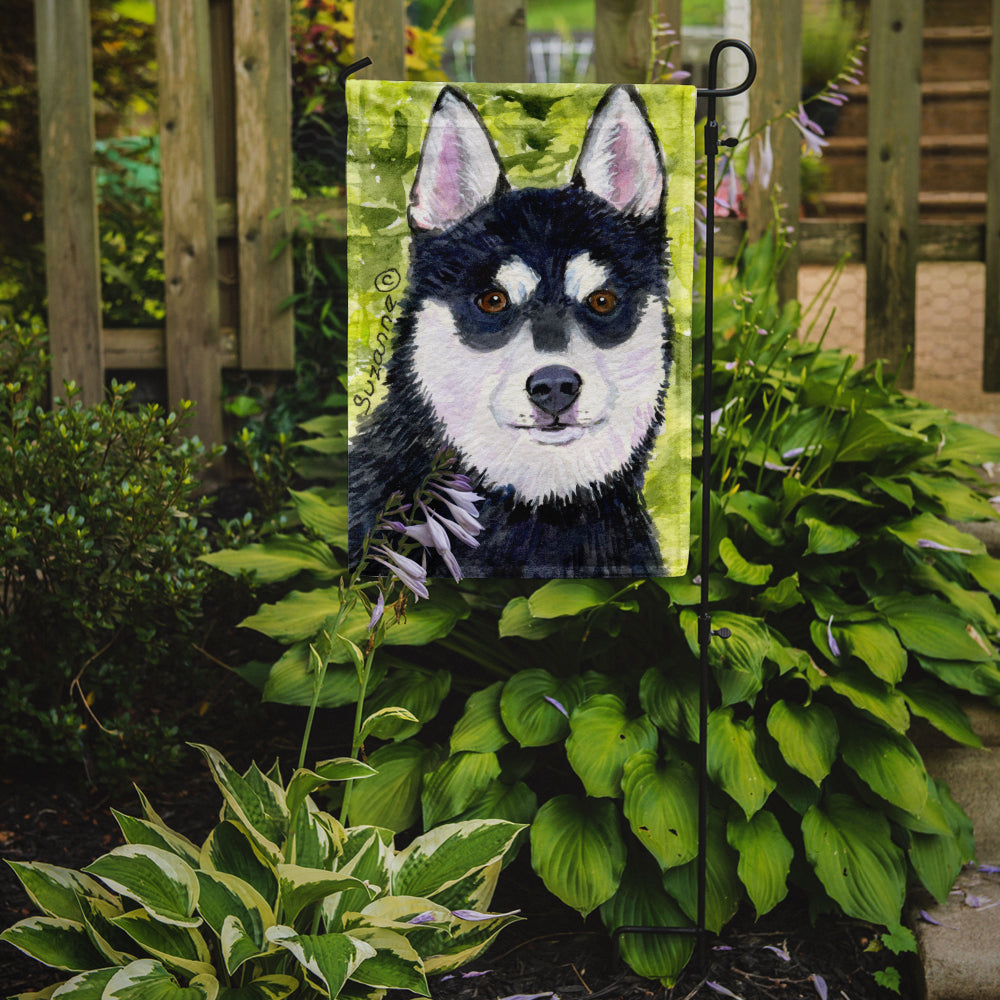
620,159
459,169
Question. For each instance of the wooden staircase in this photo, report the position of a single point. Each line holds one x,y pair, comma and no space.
955,93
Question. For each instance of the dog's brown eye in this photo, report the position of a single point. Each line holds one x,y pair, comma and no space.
602,301
493,301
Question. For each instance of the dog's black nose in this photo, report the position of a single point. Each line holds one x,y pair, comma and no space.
554,388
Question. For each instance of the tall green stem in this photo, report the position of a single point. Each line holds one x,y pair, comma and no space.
357,738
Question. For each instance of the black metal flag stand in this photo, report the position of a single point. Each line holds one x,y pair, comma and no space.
705,631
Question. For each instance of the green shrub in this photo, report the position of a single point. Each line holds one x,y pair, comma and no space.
99,541
280,899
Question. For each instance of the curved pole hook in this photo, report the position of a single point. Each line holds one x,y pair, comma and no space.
348,70
712,90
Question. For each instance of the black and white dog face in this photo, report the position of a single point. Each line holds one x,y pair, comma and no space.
535,327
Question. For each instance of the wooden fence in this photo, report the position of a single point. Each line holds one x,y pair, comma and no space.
226,160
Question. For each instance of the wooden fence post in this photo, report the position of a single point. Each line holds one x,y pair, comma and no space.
380,34
776,35
262,61
190,250
72,255
501,41
991,333
893,183
622,40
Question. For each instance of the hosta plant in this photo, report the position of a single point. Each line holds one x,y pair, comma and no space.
279,900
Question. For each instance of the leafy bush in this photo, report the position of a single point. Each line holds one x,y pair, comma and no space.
854,604
279,899
99,539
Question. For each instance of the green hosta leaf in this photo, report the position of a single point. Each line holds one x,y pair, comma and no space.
876,646
671,700
279,558
159,881
386,723
300,615
391,798
481,728
147,979
456,784
225,897
807,736
141,831
865,692
327,520
438,859
180,948
530,706
723,889
828,539
641,901
941,709
260,809
870,436
752,574
560,598
517,620
760,512
937,859
602,738
965,443
395,964
986,572
515,803
330,959
230,849
685,593
738,661
783,595
976,678
898,491
975,605
578,851
417,690
931,628
661,799
888,763
292,680
275,987
732,760
765,858
301,887
56,891
850,847
957,501
927,528
54,941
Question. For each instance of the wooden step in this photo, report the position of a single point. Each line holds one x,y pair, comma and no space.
947,163
945,104
956,53
958,206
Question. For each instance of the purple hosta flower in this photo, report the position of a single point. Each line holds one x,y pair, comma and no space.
465,975
989,869
927,543
820,984
727,197
475,915
780,952
377,612
427,917
719,988
812,134
834,648
411,574
558,705
760,164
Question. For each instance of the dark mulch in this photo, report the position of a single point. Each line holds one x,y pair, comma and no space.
551,951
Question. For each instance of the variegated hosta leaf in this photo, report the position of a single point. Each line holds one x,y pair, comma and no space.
578,851
395,964
850,847
56,891
225,897
141,831
315,839
230,849
732,760
304,782
256,801
116,946
807,736
367,854
328,959
468,939
765,858
642,902
602,737
147,979
441,857
54,941
86,986
158,880
275,987
177,947
456,784
661,799
475,891
300,887
481,727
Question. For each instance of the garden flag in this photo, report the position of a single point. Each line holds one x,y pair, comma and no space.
520,262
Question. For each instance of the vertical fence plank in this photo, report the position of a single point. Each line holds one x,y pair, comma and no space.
893,183
776,34
262,61
991,333
380,34
501,41
190,253
72,257
667,14
622,40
